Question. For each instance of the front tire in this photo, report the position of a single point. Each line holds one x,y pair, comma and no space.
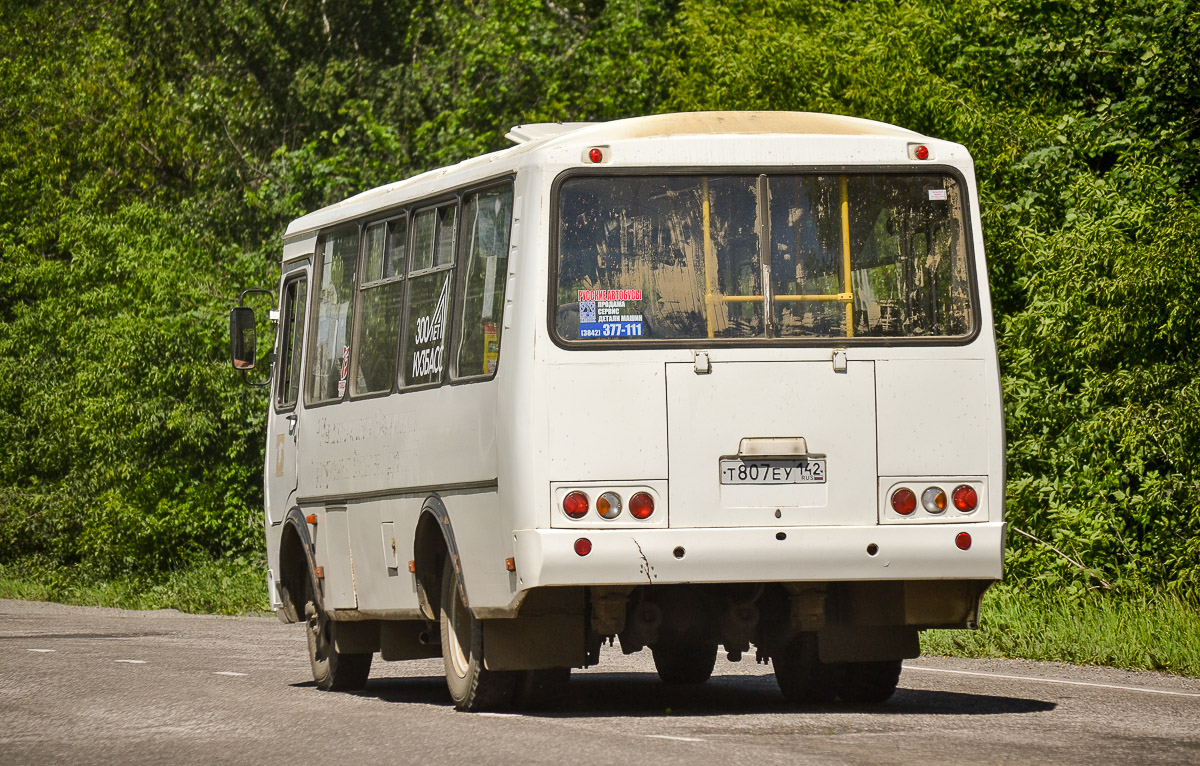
331,669
472,686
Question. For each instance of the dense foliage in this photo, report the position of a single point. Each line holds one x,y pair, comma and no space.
153,151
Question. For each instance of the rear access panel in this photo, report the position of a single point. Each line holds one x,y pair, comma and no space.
821,422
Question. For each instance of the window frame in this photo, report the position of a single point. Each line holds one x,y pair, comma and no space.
393,215
764,341
432,203
460,290
318,266
300,275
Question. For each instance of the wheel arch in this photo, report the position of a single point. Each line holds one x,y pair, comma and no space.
297,566
433,545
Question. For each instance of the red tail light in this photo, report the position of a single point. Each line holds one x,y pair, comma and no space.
641,505
904,501
575,505
965,499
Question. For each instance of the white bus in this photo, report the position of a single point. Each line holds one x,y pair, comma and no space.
689,382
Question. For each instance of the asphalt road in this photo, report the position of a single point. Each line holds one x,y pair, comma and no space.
82,685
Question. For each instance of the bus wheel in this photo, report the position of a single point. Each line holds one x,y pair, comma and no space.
332,670
869,682
801,675
547,689
684,663
472,686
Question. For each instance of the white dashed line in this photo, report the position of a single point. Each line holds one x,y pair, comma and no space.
227,673
677,739
1142,689
498,715
132,662
42,651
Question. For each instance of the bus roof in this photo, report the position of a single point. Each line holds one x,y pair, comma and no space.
545,134
712,123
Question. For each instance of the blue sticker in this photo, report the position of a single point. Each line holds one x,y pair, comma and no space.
610,330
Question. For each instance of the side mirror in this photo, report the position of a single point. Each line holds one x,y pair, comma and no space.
243,338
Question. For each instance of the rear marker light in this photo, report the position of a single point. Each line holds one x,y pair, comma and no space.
641,505
595,155
575,505
904,501
608,505
921,152
583,546
934,499
963,541
964,497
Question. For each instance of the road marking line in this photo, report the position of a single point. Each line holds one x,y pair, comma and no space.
498,715
228,673
1054,681
677,739
132,662
42,651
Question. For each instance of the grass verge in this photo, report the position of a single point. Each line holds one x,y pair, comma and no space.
203,586
1157,632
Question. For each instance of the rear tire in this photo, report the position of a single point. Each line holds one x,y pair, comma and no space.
331,669
869,682
684,663
546,689
472,686
801,675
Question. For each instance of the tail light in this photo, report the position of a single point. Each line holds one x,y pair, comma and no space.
934,499
575,505
904,501
641,505
964,497
608,505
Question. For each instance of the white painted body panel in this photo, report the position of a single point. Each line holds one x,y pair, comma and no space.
821,554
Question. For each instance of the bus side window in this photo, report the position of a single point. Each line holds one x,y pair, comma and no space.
483,251
377,339
430,283
329,352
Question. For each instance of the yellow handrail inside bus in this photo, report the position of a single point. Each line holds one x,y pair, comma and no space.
713,299
849,291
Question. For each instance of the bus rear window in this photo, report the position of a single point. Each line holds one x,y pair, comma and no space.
797,256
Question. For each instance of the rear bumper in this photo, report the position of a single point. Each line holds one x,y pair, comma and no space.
547,557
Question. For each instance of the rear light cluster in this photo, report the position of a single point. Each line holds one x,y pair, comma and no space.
609,505
934,500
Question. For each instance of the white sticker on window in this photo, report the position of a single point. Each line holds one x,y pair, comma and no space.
938,195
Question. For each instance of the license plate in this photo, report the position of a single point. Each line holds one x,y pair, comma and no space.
773,471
